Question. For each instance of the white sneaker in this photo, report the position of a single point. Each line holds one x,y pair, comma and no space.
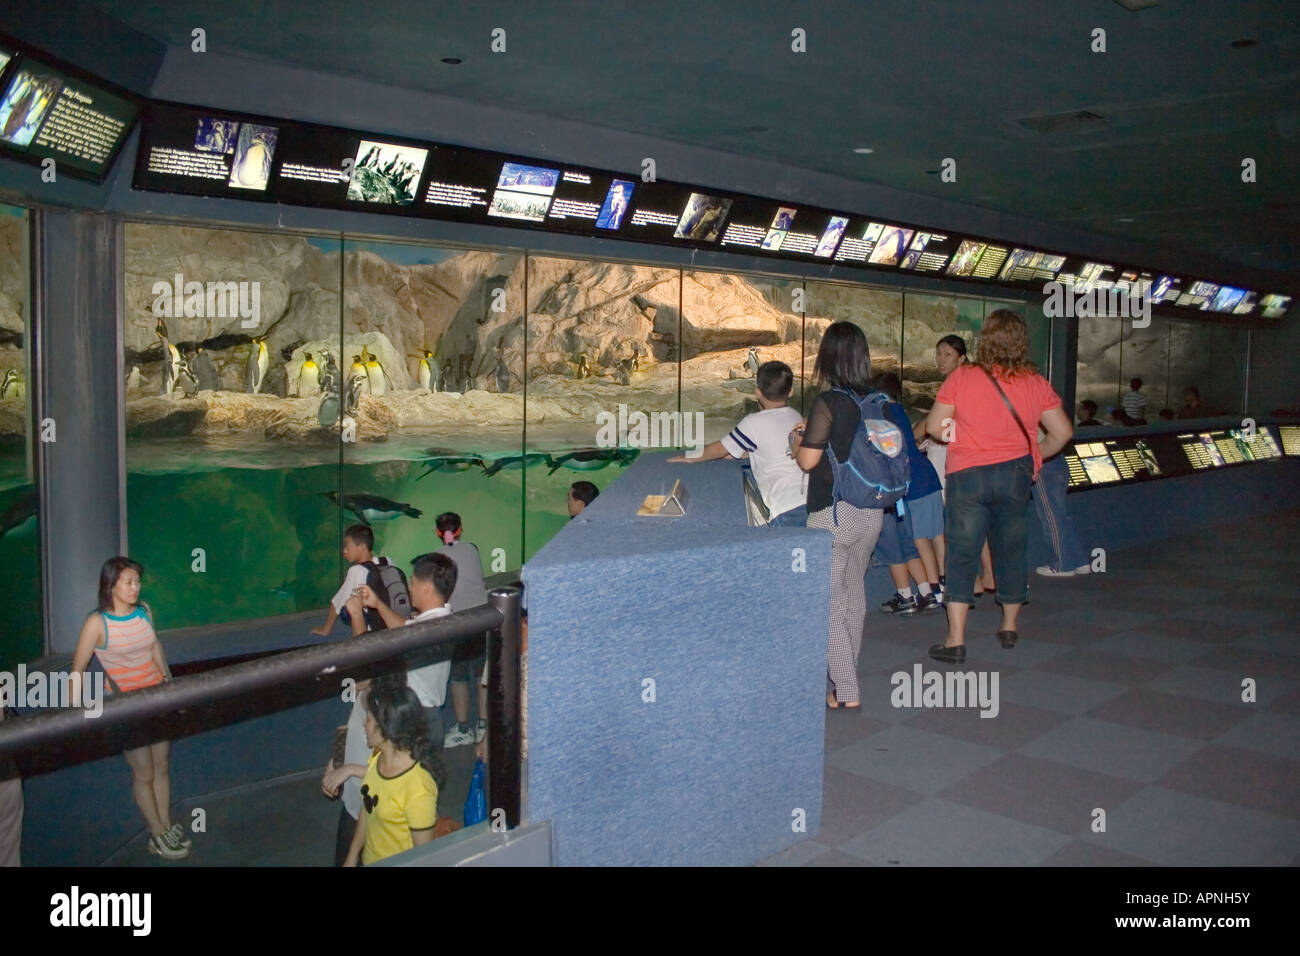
178,835
1083,569
480,731
165,846
1047,572
457,738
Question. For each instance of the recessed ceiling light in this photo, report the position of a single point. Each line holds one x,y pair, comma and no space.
1243,43
1136,5
452,60
864,150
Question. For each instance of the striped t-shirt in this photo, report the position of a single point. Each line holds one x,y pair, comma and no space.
127,653
1135,404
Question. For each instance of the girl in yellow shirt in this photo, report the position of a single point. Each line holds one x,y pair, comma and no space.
399,793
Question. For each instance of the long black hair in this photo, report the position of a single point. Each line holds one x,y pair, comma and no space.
108,575
954,342
399,718
844,359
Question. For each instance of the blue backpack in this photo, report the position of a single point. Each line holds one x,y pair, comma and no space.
876,473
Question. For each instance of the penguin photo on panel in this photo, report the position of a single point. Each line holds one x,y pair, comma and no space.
258,359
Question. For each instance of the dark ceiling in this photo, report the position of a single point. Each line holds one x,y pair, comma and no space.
1180,100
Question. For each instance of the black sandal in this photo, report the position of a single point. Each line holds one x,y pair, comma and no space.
1008,638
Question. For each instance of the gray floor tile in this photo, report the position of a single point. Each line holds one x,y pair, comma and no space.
1111,749
1142,643
1183,626
852,804
1014,726
1252,663
797,855
879,655
836,858
1224,687
1286,697
1170,714
1274,642
1098,620
1237,775
1041,792
1268,732
1059,692
1082,853
876,690
913,759
843,727
1178,829
1100,666
943,833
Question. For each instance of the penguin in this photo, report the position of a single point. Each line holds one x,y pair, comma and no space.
352,399
358,370
329,376
372,507
375,373
452,463
428,382
308,376
514,462
186,379
171,360
502,375
205,371
133,380
448,383
752,361
585,459
583,370
13,385
328,411
258,359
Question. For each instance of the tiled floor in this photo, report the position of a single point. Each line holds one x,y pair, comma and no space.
282,822
1123,698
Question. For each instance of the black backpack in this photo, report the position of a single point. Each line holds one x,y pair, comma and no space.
389,584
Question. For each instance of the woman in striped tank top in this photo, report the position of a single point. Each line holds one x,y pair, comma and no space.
121,635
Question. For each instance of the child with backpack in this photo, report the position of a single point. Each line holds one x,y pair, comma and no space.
364,568
841,497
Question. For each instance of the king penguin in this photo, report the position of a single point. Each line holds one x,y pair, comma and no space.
13,385
171,360
375,373
308,377
358,370
258,359
427,365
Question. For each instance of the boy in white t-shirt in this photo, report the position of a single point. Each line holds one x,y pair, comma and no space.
358,550
764,438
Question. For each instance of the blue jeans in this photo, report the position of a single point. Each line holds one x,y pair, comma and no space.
989,501
794,518
1063,548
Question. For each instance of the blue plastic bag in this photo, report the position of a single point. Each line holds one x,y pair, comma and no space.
476,802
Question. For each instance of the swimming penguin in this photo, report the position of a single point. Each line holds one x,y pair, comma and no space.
752,361
171,360
258,359
308,376
586,459
205,371
13,385
372,507
452,463
375,373
513,461
327,413
19,512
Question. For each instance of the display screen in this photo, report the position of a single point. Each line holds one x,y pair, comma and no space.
1273,306
1135,461
1198,295
214,153
1097,463
1290,438
47,113
1259,445
1202,450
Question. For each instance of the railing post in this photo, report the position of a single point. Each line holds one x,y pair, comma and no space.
504,757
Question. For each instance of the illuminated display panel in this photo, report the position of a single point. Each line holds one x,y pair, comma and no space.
214,153
1290,439
1201,450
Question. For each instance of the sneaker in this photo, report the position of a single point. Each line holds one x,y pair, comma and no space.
1083,569
480,731
928,602
1047,572
457,738
900,605
165,846
178,835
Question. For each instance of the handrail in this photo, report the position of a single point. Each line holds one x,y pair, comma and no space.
172,698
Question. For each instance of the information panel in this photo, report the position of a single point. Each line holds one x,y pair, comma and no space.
1290,439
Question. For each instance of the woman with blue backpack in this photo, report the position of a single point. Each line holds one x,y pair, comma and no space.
985,412
850,483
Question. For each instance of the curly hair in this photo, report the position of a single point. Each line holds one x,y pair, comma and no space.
399,718
1004,345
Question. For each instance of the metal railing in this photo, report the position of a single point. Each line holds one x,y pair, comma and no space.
171,709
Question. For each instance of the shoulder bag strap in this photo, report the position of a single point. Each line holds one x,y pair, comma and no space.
1011,408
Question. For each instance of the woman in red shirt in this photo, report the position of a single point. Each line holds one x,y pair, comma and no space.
992,461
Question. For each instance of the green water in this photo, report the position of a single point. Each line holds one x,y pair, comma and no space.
21,636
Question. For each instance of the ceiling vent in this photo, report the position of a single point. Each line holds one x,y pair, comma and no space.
1056,124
